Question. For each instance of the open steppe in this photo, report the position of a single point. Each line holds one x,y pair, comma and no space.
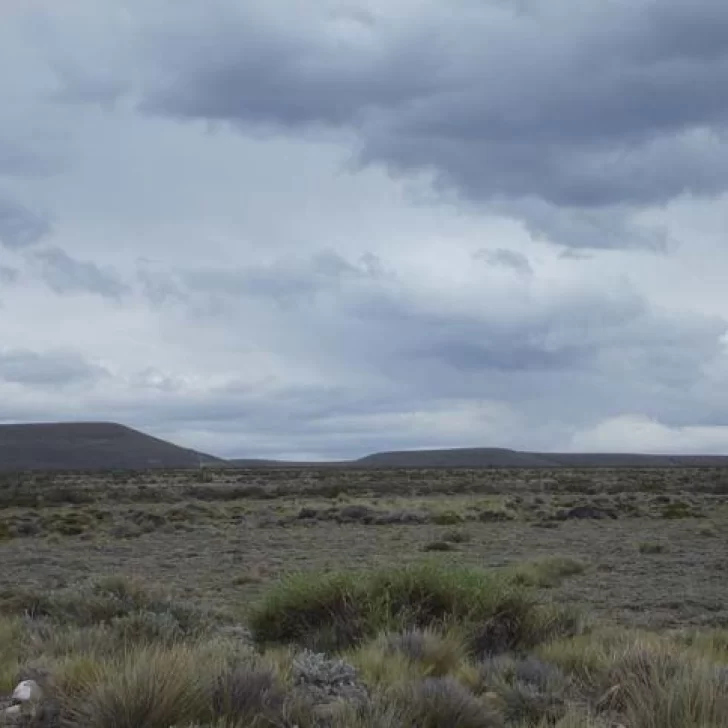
631,550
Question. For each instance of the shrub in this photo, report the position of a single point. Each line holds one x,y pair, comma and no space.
360,513
678,509
547,572
447,518
118,601
659,689
443,703
245,694
436,653
529,691
490,515
326,612
336,611
652,547
11,638
439,546
456,536
146,687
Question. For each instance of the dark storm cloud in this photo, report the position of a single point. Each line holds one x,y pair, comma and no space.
48,369
19,226
571,104
65,275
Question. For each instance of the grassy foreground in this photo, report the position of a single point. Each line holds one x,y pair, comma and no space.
425,646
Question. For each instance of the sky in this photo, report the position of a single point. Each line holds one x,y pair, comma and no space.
269,228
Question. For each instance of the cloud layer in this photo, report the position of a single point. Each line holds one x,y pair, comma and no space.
268,232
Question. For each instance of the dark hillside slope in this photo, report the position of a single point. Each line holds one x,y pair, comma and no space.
476,457
89,446
489,457
502,458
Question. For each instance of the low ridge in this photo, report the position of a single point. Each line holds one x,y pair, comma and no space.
491,457
110,446
89,446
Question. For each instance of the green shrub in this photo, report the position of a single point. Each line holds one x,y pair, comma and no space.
109,600
660,689
652,547
546,572
443,703
678,509
148,687
335,611
439,546
447,518
437,653
455,535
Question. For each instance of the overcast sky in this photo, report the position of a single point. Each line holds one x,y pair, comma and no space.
320,229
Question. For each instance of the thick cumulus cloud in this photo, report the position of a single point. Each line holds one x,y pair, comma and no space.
554,111
267,230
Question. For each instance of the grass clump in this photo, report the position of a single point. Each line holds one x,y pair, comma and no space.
456,535
447,518
547,572
102,616
652,547
657,687
395,657
150,687
528,691
439,546
183,685
678,509
443,702
339,610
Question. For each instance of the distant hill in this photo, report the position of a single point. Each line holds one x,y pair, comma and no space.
89,446
108,446
486,457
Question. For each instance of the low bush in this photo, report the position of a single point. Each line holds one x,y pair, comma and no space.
547,572
335,611
443,703
652,547
120,603
439,546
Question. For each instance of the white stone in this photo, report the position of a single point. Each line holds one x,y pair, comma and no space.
27,691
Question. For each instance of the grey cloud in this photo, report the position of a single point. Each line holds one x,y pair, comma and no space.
578,105
502,257
604,228
465,356
287,281
64,274
8,275
47,369
608,340
159,286
19,226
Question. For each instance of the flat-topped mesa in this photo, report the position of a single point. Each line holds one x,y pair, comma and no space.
53,446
